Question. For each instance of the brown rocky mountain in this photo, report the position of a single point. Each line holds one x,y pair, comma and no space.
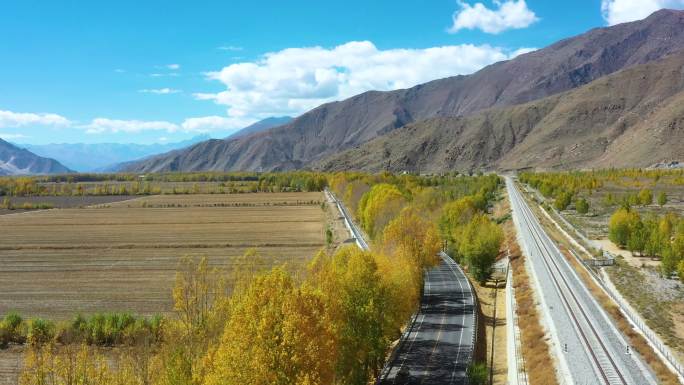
634,117
335,127
18,161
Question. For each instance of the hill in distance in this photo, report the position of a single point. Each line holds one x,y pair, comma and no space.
261,125
18,161
93,157
336,127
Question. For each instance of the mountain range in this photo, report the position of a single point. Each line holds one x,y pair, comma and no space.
93,157
110,157
18,161
463,122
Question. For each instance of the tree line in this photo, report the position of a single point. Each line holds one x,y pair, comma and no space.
333,323
653,236
152,184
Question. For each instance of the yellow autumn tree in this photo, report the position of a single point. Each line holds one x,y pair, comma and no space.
356,301
70,365
378,206
278,333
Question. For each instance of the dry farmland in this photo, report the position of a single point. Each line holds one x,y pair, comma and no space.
122,256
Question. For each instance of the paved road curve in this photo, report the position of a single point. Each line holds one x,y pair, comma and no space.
591,349
438,347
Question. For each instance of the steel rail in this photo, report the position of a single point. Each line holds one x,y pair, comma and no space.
540,243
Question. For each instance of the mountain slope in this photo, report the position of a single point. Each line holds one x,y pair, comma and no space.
632,118
338,126
18,161
261,125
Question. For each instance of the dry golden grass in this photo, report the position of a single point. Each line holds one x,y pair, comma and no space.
122,258
536,350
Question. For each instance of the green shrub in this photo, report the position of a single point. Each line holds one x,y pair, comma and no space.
328,236
662,198
477,374
563,200
40,331
13,320
14,327
645,197
582,206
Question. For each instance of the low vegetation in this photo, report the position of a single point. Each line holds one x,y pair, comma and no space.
661,237
153,184
331,323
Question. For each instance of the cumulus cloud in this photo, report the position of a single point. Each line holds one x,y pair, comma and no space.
173,66
10,136
159,91
203,124
621,11
214,123
294,80
509,14
102,125
18,119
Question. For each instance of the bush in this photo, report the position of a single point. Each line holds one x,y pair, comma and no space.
662,198
645,197
621,224
477,374
563,200
479,245
40,331
328,236
15,328
582,206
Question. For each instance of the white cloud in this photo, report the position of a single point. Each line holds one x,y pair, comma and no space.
159,75
294,80
199,125
159,91
509,14
9,136
119,70
215,123
621,11
104,125
18,119
230,48
173,66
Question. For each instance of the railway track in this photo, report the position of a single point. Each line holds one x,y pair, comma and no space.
606,360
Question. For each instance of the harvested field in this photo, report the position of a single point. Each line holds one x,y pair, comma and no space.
64,201
121,258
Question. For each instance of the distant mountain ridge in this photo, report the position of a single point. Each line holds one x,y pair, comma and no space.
18,161
261,125
93,157
339,126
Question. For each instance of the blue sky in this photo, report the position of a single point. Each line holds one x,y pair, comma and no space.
150,71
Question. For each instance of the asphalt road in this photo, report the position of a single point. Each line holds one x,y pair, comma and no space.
438,347
354,231
591,349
